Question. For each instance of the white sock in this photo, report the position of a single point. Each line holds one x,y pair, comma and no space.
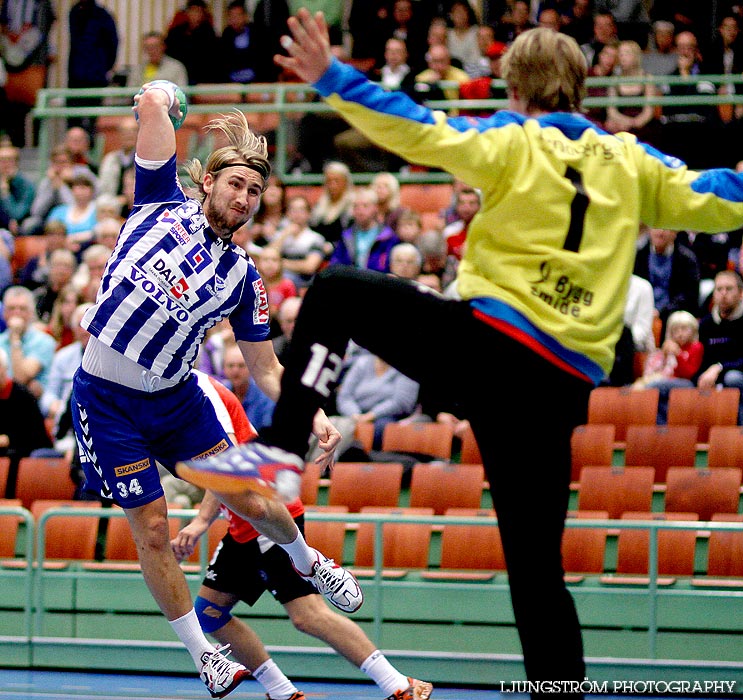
301,554
190,633
383,673
275,683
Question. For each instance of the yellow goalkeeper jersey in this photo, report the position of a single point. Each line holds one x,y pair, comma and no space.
550,253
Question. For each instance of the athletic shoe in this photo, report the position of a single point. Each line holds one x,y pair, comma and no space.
299,695
417,690
220,675
250,467
337,585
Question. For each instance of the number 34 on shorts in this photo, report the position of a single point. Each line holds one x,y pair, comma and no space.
133,488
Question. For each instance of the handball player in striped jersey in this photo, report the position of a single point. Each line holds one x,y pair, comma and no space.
173,274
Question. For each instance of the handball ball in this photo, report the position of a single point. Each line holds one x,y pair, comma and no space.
180,96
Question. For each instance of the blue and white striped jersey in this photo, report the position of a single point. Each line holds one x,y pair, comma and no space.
170,278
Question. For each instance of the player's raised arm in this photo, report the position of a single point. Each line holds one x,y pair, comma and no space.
156,138
309,49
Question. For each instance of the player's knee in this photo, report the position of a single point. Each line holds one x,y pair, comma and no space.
212,617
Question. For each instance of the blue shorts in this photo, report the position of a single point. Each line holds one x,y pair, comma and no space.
121,432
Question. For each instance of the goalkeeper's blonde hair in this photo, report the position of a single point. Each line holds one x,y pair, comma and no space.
243,147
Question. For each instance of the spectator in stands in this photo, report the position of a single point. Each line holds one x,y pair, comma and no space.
29,349
22,428
721,334
578,22
485,39
25,51
271,214
106,231
439,69
604,32
77,142
67,359
90,271
607,62
240,46
237,377
549,17
286,317
395,68
36,271
468,204
631,17
637,119
660,58
116,162
79,217
279,286
672,270
367,242
53,189
61,325
436,260
62,265
482,88
406,261
16,190
372,391
676,363
387,188
409,23
691,132
158,65
94,43
461,38
409,226
332,212
194,43
725,57
7,248
515,23
302,249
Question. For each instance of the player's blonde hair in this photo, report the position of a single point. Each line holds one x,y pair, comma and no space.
244,148
547,69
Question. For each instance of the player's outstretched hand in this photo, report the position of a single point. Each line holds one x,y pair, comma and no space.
308,46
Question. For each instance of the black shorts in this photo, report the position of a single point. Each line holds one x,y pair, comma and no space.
243,570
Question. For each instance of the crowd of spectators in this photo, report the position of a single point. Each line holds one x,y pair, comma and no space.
76,207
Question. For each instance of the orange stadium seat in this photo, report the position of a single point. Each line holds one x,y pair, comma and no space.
616,489
443,486
328,537
358,484
68,536
725,446
622,407
661,446
583,548
590,446
705,492
405,545
9,527
434,439
694,406
43,478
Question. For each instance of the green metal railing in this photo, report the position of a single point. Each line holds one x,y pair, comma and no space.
36,576
286,100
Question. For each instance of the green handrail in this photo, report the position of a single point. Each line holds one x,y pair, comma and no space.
280,98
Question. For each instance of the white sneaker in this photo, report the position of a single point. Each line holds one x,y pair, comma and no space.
220,675
337,585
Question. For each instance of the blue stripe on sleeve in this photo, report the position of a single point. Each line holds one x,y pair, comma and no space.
721,182
353,86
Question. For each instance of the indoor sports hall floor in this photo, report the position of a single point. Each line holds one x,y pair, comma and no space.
26,684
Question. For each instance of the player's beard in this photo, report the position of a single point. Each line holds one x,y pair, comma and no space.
220,223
